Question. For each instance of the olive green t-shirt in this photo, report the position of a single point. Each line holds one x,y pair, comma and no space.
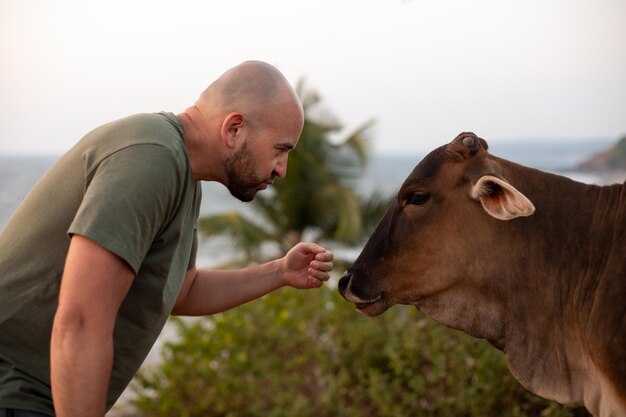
128,186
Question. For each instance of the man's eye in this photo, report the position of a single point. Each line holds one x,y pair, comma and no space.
418,199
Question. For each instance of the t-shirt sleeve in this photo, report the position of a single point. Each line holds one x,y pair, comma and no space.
130,195
194,247
194,250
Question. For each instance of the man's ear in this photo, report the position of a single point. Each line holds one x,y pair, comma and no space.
500,199
231,129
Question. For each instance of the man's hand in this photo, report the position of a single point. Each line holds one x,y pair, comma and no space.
307,265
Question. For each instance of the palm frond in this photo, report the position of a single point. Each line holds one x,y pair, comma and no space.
359,142
373,209
308,97
336,211
244,233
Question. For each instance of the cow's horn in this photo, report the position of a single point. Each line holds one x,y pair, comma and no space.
469,142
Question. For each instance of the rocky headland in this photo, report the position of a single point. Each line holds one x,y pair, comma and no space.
610,164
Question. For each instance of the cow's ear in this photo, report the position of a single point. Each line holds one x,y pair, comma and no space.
500,199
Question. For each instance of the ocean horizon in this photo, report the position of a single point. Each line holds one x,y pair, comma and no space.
384,173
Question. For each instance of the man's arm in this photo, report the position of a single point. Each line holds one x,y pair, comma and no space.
95,282
205,291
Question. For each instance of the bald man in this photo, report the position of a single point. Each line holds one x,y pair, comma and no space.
102,250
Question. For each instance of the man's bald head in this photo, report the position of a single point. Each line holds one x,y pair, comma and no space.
257,90
251,105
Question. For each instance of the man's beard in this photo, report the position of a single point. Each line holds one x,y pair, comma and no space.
240,168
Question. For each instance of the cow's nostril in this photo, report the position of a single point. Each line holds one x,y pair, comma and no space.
343,282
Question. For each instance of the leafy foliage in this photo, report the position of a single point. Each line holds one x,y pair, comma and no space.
300,354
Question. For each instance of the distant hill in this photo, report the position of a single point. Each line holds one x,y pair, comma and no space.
613,159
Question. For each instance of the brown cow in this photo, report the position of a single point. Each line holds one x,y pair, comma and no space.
533,262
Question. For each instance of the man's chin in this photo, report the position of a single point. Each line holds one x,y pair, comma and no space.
244,196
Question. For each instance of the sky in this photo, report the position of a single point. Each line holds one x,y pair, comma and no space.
424,70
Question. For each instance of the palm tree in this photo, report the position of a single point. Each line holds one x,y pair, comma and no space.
317,200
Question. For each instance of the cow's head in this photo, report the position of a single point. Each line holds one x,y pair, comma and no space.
437,233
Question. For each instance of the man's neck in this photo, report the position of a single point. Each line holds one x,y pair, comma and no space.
204,158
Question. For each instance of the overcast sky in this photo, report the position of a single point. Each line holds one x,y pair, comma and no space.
424,69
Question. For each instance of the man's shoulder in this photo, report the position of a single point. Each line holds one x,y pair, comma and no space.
152,132
145,128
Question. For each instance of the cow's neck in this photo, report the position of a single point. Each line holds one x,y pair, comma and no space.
534,302
556,272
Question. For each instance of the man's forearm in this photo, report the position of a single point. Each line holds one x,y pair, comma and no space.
214,291
80,362
204,292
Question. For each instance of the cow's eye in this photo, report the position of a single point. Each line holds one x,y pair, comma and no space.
418,199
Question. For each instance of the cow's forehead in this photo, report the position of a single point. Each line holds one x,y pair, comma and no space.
457,151
430,165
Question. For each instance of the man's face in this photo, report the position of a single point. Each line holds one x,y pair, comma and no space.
241,170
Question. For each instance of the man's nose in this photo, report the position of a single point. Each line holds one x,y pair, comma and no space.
281,169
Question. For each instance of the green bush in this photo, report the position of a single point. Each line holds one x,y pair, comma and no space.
309,353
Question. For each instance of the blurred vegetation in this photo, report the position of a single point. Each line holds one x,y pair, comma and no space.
309,353
303,353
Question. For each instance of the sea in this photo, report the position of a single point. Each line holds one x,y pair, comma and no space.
384,174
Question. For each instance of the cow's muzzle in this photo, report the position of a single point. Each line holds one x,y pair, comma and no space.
345,289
